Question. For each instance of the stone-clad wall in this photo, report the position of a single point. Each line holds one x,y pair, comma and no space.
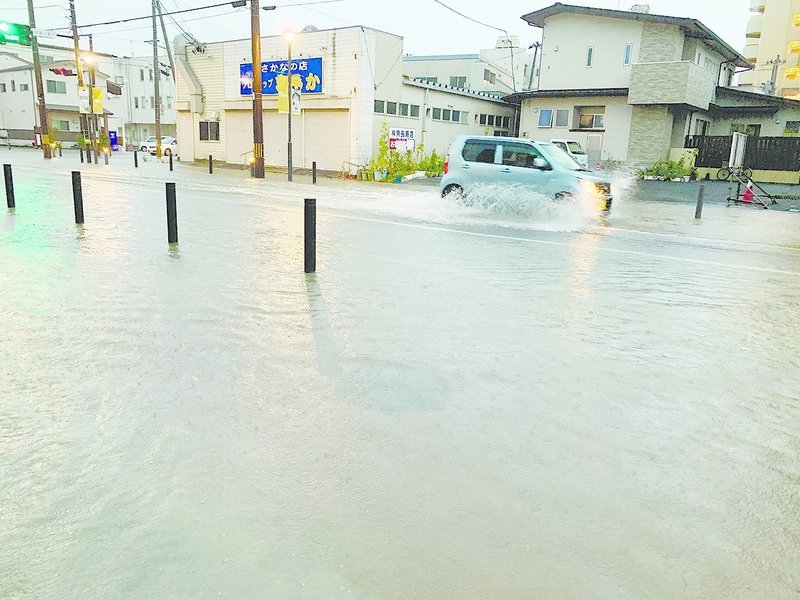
651,133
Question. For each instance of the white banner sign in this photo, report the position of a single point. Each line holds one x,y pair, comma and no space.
44,33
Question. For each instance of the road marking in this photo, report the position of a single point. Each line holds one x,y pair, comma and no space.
496,236
679,236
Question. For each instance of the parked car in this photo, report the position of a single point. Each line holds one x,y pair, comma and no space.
575,150
540,165
169,145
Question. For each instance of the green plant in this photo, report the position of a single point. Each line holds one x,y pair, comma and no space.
669,169
103,140
398,164
80,141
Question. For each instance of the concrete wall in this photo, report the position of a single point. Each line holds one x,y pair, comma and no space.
566,40
615,135
650,134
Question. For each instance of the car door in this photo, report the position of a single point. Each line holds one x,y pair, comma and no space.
517,167
480,162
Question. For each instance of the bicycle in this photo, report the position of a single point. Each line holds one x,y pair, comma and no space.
724,174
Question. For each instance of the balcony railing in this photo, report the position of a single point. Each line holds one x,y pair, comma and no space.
755,25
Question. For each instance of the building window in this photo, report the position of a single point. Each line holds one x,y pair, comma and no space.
489,76
136,102
169,101
415,110
490,120
437,114
792,127
151,74
209,131
61,125
456,116
458,82
428,79
591,121
628,53
403,110
56,87
23,87
13,86
3,87
143,102
546,117
379,106
152,101
391,108
141,74
46,59
506,122
483,119
589,56
445,114
562,117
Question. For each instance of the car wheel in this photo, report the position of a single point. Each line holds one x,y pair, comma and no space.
453,190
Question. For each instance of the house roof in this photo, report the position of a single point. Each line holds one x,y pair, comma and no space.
70,108
571,93
490,96
755,101
691,27
427,57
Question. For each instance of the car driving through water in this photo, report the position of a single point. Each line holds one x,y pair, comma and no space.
541,166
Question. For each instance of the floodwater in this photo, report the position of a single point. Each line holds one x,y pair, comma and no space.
504,400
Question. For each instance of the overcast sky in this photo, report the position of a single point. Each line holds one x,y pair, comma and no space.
428,27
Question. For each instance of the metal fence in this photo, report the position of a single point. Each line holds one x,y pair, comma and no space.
767,153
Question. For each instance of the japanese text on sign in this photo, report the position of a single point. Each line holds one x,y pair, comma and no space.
402,139
308,70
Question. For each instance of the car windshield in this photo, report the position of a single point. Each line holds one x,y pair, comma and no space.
575,148
560,158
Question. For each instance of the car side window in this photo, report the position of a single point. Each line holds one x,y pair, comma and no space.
519,155
481,151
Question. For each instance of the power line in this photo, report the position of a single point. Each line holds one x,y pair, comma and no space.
508,38
187,10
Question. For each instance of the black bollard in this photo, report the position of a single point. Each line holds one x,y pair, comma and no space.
59,152
81,151
9,186
170,161
310,235
77,196
698,212
314,172
172,215
135,159
210,164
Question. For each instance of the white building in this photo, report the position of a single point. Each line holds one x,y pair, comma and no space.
504,69
128,94
352,80
630,86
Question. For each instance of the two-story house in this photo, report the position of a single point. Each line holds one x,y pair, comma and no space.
629,86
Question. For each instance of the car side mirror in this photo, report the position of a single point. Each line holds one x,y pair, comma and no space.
541,164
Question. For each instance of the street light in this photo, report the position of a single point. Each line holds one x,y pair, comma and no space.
289,35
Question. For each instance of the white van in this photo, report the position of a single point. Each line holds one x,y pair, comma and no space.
575,150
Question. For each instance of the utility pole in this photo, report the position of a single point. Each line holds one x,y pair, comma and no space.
289,165
78,68
776,63
37,69
166,40
258,103
156,79
92,116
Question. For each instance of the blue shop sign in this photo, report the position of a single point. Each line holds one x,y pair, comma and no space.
307,70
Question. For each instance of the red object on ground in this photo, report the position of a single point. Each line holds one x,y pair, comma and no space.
748,195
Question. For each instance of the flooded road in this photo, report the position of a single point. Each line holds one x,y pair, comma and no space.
511,401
